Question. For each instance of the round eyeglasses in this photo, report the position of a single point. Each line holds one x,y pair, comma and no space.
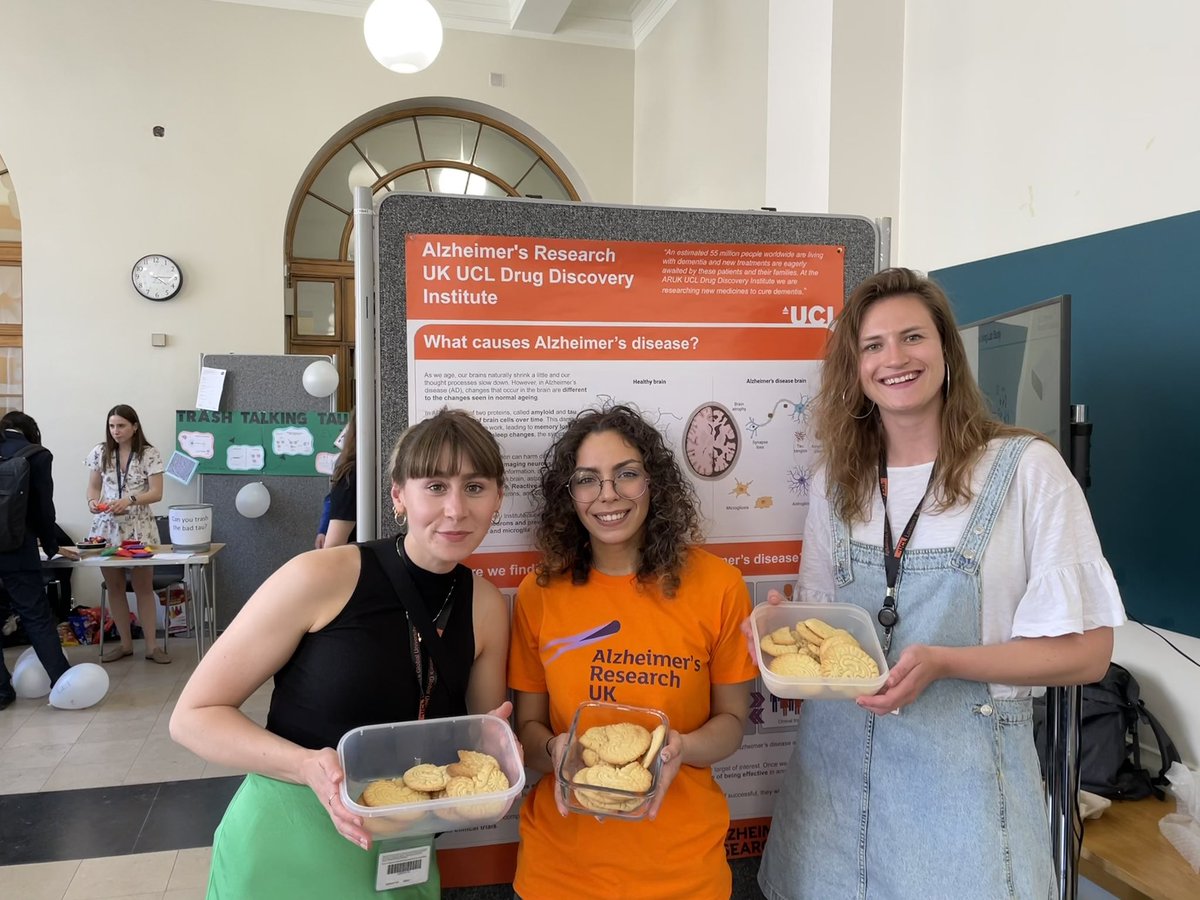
586,487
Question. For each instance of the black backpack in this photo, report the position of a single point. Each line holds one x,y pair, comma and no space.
1110,752
14,496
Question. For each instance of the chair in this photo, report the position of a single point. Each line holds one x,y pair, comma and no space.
164,577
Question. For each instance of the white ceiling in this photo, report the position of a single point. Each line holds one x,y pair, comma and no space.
605,23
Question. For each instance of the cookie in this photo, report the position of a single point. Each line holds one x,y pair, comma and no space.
617,744
656,741
846,661
390,792
471,763
819,628
426,777
795,665
839,636
775,649
629,777
590,757
783,635
807,635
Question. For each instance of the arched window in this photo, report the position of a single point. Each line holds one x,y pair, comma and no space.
437,149
12,378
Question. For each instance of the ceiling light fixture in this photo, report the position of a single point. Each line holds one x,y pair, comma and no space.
403,35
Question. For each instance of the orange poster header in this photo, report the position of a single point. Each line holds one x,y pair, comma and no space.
522,279
625,343
761,557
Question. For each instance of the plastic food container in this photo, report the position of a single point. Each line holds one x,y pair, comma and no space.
766,617
635,803
375,752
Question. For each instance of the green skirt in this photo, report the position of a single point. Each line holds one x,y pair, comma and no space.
276,840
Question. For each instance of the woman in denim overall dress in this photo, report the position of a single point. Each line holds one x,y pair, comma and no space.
972,546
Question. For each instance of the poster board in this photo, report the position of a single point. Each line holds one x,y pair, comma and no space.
254,548
711,322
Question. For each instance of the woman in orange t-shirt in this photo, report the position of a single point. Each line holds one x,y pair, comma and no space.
624,607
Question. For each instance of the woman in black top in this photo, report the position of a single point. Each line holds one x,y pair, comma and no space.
330,630
343,492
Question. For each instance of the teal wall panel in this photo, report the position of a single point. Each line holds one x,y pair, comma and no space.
1135,363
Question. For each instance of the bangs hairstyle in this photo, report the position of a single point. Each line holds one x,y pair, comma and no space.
672,523
848,424
451,434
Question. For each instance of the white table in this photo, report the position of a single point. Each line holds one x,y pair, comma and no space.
198,575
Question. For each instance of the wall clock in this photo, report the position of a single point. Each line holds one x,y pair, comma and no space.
157,277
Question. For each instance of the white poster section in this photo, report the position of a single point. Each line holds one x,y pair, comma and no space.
718,344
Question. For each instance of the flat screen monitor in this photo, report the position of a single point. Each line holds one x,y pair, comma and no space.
1022,361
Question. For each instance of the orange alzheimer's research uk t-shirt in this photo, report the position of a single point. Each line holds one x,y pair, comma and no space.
609,640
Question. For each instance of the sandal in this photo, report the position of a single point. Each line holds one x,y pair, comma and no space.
159,655
115,653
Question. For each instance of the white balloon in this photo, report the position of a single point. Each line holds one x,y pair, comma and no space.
81,686
28,652
320,378
29,678
253,500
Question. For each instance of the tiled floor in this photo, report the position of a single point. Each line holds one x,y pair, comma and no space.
53,761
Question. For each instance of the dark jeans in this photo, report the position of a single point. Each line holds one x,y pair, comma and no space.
28,599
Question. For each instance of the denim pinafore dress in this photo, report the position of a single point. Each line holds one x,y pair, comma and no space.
945,799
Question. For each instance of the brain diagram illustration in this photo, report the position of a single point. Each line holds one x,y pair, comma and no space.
712,441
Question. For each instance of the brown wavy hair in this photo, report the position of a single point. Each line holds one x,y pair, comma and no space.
848,424
349,455
137,444
672,523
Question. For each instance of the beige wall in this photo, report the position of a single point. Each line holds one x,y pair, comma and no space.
1027,123
248,95
699,135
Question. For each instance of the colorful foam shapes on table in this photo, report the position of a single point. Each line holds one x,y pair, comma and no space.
81,686
30,680
110,551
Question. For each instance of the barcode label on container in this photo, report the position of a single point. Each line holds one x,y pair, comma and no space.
401,868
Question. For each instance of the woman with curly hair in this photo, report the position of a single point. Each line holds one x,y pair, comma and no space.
625,607
971,545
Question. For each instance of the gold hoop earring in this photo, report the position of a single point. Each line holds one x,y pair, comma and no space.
852,415
946,383
401,518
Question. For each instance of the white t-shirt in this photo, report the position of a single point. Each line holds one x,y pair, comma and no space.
1043,573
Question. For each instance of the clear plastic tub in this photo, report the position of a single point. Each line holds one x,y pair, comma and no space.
613,802
766,617
376,752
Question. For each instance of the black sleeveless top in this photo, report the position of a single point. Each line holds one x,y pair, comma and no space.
358,669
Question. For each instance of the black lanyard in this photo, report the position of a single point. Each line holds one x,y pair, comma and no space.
888,616
122,480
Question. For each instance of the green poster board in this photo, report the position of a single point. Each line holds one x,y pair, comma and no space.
256,442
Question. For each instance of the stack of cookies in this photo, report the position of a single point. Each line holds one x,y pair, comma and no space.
815,649
474,773
618,756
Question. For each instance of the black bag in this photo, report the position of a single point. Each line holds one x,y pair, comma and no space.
1110,752
14,496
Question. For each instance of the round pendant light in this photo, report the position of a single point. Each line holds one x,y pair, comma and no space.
403,35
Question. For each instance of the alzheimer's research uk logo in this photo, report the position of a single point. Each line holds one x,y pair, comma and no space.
559,646
809,316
